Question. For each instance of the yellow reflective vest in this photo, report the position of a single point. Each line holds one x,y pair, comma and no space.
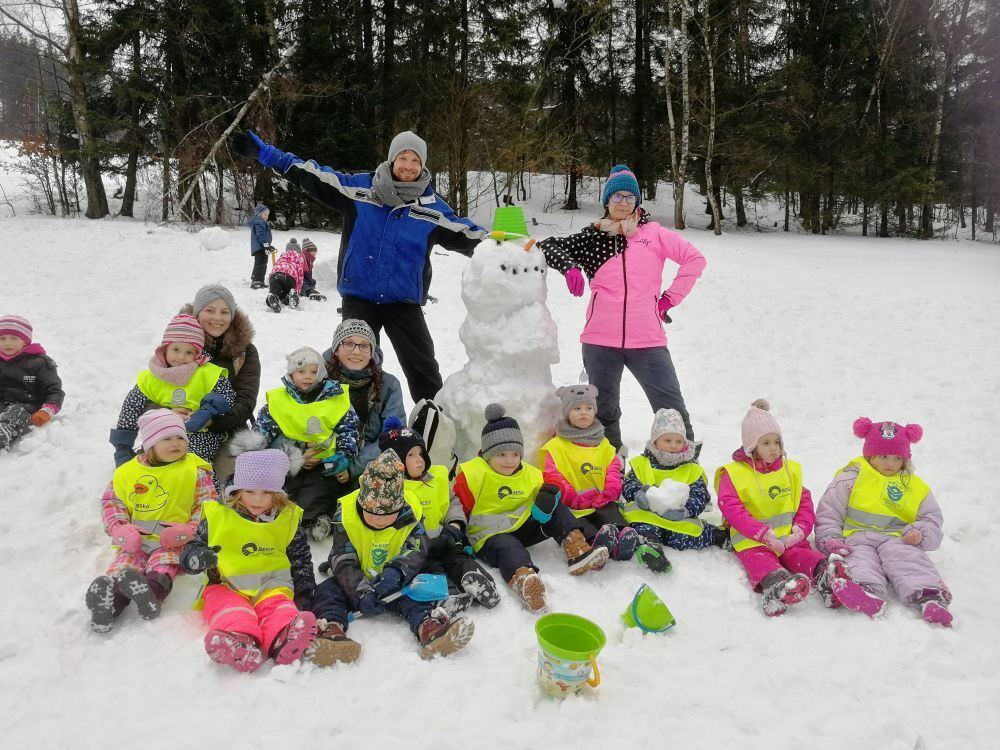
502,503
189,395
687,473
253,558
375,547
583,466
158,496
309,423
880,503
771,498
433,496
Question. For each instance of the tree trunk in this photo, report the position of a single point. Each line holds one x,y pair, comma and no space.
388,73
679,142
128,197
741,212
713,198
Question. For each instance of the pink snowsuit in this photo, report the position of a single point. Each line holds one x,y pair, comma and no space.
760,561
292,264
881,559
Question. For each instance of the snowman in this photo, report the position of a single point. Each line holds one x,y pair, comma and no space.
510,339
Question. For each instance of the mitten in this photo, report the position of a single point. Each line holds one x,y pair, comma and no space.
454,533
370,605
303,600
640,498
795,536
127,536
773,542
197,558
662,306
197,420
335,464
175,537
122,441
389,581
215,404
268,155
575,282
40,417
835,546
605,498
587,499
545,503
912,536
245,144
676,514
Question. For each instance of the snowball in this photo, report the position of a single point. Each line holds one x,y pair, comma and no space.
670,495
213,238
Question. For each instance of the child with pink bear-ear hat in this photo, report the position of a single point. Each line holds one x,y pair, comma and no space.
886,519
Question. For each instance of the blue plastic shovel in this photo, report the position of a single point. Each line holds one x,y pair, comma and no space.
425,587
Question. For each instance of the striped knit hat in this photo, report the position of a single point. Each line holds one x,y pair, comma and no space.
261,208
621,178
157,424
184,329
308,246
501,433
14,325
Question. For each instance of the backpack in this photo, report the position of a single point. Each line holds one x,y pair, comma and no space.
438,431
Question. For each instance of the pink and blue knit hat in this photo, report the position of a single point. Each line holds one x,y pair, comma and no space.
621,178
260,470
14,325
887,438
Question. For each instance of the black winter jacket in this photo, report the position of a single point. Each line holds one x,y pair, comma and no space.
30,378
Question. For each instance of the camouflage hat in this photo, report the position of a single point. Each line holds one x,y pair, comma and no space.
381,492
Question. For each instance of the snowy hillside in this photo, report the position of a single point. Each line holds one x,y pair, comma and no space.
828,329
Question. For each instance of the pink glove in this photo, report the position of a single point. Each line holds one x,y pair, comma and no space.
662,306
913,536
574,282
835,546
795,536
588,499
773,542
127,536
603,499
177,536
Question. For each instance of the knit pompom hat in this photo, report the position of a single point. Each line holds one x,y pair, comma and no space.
397,437
571,395
620,178
352,327
381,485
293,245
260,470
501,433
157,424
15,325
308,246
303,357
887,438
757,423
184,329
667,422
260,209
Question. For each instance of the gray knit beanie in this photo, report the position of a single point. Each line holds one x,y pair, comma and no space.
293,245
501,433
303,357
408,141
571,395
208,294
353,327
667,422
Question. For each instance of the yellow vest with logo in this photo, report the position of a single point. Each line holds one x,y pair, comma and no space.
433,496
253,559
880,503
158,496
502,503
309,423
584,467
771,498
189,395
374,547
645,473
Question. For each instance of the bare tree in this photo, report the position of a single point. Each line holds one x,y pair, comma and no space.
678,41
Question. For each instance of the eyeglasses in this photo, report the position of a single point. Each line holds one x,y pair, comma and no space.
630,199
363,348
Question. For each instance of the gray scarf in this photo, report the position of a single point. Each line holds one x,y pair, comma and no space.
395,193
589,436
671,460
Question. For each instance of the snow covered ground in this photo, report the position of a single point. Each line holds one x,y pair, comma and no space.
828,329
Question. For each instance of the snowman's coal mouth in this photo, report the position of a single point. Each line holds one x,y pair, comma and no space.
515,270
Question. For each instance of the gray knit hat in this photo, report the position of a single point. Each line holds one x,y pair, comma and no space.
353,327
293,245
571,395
208,294
501,433
408,141
303,357
667,422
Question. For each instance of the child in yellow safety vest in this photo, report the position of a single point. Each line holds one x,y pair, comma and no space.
443,517
510,508
310,417
379,545
885,518
179,378
150,510
770,515
669,462
256,556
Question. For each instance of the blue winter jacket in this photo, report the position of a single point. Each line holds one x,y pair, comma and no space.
260,234
385,252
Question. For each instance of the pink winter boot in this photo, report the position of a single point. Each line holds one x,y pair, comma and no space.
835,585
782,589
294,639
239,650
934,610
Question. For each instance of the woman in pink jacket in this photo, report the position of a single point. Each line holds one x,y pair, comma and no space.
623,256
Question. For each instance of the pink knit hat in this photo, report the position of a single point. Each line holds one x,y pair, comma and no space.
887,438
14,325
184,329
157,424
757,423
260,470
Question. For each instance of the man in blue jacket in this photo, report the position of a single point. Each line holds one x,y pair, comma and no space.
392,220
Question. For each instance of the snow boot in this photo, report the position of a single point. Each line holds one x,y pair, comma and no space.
482,587
321,528
134,585
834,583
440,636
293,300
237,650
529,587
331,646
782,589
628,542
651,555
273,303
455,603
317,297
294,638
605,538
257,285
101,603
580,556
934,609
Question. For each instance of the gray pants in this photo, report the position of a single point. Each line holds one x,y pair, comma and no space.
655,372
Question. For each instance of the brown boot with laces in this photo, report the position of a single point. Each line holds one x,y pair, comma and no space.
529,587
580,556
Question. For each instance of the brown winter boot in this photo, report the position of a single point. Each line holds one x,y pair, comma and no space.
580,556
332,646
440,636
528,585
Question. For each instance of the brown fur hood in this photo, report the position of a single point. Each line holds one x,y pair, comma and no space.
234,341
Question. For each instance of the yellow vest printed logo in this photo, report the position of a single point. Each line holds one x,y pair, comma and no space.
147,495
380,555
179,398
252,548
589,468
314,426
504,491
775,492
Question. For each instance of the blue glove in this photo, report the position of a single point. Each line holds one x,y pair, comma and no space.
122,441
678,514
198,420
335,464
370,605
196,558
272,156
545,503
640,498
389,582
215,404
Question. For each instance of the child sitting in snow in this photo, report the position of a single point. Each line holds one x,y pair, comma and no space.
770,515
379,545
585,467
150,510
285,282
666,490
179,378
427,486
886,519
310,416
309,289
510,508
30,389
259,567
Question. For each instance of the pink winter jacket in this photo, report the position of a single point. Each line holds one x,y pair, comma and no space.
736,513
293,264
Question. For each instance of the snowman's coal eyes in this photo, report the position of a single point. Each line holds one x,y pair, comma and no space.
503,267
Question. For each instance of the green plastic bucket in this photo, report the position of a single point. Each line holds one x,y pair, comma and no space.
509,221
648,612
568,646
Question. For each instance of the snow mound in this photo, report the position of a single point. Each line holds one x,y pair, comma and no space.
670,495
213,239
